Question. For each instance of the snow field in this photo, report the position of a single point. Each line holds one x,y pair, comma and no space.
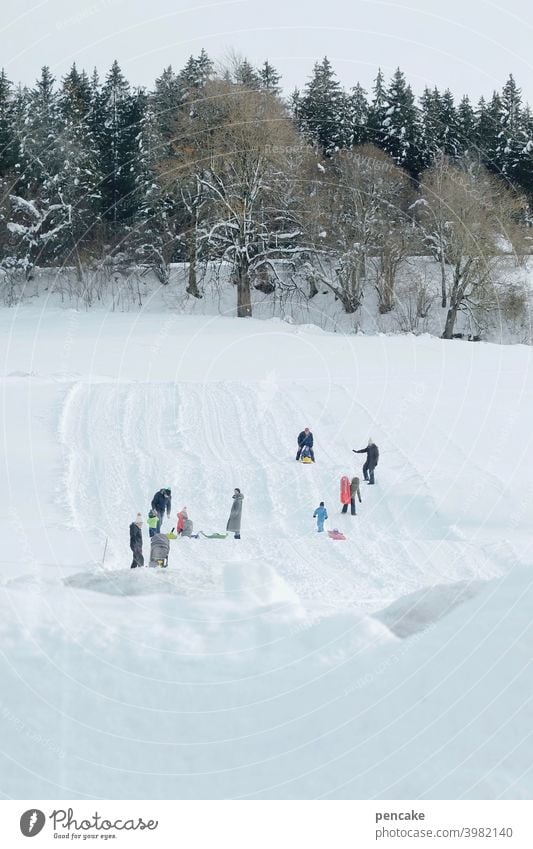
392,665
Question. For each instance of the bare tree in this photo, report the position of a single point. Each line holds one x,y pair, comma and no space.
474,217
235,145
356,213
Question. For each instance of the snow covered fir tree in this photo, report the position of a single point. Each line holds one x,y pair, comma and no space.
215,179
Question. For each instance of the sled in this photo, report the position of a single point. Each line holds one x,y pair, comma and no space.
345,490
306,460
214,536
336,534
171,536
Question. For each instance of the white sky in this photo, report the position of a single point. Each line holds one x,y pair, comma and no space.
470,46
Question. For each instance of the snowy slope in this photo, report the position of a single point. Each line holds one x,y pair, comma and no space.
394,664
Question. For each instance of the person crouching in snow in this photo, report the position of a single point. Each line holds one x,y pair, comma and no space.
159,549
234,521
153,521
136,542
184,526
181,518
320,514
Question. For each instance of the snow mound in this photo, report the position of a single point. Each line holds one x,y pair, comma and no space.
416,611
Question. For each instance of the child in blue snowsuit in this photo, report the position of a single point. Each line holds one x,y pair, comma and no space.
320,514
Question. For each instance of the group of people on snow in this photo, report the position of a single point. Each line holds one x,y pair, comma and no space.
350,490
160,543
161,507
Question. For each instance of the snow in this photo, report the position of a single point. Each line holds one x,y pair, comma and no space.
396,664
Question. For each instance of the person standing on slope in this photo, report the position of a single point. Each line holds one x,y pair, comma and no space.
136,542
372,457
161,502
305,440
152,522
234,521
320,514
354,491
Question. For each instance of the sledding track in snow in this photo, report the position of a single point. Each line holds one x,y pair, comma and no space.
284,665
124,440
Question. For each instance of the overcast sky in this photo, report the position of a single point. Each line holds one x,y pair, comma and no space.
470,46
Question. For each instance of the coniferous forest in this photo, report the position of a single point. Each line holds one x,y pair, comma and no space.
218,167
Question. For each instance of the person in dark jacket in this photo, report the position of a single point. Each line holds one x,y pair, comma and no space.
305,440
354,491
372,457
136,542
161,502
234,521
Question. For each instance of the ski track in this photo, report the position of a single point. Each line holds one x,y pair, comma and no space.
124,441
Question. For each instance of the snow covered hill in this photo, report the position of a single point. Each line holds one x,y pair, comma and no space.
395,664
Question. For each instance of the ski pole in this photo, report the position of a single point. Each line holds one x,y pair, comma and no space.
105,549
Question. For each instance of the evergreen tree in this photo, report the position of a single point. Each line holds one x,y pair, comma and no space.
38,134
166,100
449,126
401,125
269,78
511,131
152,238
75,97
8,142
377,112
487,135
323,110
79,179
119,147
246,75
430,117
466,126
195,74
358,109
523,172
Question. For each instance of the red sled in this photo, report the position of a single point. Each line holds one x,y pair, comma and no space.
335,534
345,490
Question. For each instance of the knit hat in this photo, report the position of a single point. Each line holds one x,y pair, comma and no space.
139,520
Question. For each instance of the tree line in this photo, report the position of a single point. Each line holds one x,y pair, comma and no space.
217,167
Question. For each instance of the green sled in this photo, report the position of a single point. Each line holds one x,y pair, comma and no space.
214,536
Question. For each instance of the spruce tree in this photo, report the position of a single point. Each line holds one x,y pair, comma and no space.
430,117
466,126
323,110
166,100
269,78
511,131
487,134
80,177
357,108
194,76
246,75
377,111
8,142
401,125
448,126
122,113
